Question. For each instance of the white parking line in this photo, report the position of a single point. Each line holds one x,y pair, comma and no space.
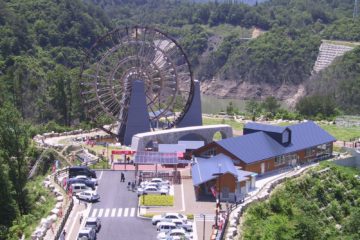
132,212
107,211
119,212
100,212
94,212
101,173
182,197
113,212
126,211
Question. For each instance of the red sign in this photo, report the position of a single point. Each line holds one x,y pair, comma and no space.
122,152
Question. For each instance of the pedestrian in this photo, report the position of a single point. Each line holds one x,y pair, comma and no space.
129,185
122,177
133,186
81,218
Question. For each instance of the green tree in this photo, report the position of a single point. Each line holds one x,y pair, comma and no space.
253,108
7,204
271,105
14,141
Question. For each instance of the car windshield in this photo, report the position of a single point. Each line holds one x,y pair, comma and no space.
91,223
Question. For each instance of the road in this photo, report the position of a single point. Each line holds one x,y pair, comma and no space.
117,209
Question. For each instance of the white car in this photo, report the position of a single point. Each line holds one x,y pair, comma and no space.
159,181
167,217
94,180
175,234
153,184
185,224
90,196
152,190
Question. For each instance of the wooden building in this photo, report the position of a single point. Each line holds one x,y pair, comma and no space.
265,148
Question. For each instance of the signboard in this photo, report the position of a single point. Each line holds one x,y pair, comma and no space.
171,148
122,152
192,144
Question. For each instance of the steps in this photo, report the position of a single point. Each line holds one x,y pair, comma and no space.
327,54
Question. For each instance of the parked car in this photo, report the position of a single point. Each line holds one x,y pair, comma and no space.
165,226
167,217
94,180
79,187
87,233
87,195
87,182
81,170
93,222
152,184
175,234
185,224
159,181
152,190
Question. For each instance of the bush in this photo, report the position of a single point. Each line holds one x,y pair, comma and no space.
156,200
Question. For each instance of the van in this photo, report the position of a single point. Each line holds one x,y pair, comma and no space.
165,226
79,187
81,170
93,222
87,233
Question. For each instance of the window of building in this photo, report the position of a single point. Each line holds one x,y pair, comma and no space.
309,152
285,137
285,159
210,152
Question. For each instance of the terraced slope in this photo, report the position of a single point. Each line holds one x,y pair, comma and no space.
322,204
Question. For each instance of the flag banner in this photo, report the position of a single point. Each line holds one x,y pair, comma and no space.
213,191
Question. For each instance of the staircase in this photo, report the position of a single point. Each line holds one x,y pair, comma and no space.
328,52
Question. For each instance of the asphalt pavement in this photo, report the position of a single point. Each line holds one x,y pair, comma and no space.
117,209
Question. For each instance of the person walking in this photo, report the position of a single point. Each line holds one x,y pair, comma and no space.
122,177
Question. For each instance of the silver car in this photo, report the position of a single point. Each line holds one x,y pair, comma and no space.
152,190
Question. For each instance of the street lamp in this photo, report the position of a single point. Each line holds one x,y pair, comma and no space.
203,216
218,175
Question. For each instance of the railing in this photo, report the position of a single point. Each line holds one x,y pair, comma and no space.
69,208
63,221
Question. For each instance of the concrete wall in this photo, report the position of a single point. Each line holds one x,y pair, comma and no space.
172,136
353,161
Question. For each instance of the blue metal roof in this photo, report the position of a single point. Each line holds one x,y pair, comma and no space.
203,170
258,146
265,127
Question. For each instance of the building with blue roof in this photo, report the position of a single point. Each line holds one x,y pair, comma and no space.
264,147
209,174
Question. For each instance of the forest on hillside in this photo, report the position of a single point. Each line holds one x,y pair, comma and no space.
43,44
324,203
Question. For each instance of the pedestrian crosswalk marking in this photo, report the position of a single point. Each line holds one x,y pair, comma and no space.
94,212
126,211
117,212
113,212
132,212
100,212
107,212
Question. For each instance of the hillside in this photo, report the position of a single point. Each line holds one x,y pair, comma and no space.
319,205
277,63
41,49
341,81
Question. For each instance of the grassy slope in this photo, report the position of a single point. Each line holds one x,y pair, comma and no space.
315,206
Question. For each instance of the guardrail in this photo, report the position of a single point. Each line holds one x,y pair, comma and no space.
69,208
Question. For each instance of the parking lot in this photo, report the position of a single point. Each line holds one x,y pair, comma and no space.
117,209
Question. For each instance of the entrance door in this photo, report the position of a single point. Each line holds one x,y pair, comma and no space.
262,167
